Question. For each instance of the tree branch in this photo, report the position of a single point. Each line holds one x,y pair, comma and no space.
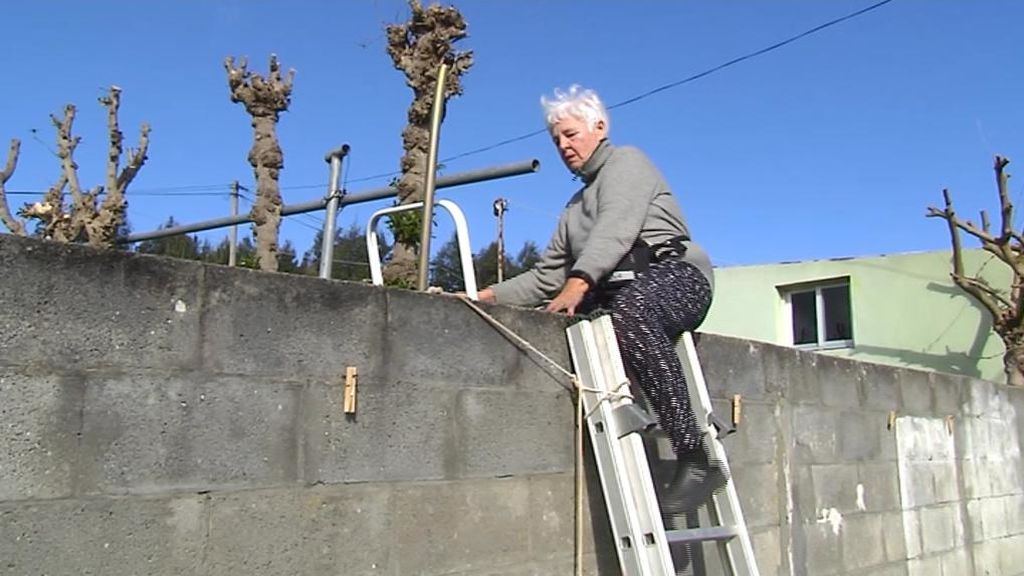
12,223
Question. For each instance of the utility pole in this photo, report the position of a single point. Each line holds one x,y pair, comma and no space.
500,207
233,246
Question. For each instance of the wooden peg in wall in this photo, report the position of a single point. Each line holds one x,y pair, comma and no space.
351,378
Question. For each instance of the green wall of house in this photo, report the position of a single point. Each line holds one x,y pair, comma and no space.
905,309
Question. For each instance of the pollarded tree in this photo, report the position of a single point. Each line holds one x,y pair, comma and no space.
264,99
86,219
418,48
1004,304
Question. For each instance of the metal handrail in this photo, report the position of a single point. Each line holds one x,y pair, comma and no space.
469,177
461,235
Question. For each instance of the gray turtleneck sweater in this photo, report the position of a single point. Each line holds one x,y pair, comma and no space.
624,197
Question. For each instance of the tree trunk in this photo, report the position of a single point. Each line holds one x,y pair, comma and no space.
1013,364
266,159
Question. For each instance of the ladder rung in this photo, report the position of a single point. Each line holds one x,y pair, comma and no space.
711,533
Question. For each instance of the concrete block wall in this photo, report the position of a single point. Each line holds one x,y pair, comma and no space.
168,417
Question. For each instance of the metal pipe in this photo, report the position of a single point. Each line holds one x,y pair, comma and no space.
462,178
233,236
334,196
428,185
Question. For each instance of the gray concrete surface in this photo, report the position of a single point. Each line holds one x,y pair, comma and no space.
167,417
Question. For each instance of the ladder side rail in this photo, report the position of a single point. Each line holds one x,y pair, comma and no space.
730,511
653,539
621,516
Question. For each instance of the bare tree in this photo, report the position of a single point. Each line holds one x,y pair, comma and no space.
1005,306
86,219
264,100
418,48
12,223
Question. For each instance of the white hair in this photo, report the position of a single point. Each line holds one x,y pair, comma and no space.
581,103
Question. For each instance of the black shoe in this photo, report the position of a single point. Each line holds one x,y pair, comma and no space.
693,483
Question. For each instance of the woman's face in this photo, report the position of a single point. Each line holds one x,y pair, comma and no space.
575,141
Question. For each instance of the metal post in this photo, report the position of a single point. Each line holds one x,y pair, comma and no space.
500,206
428,185
334,196
233,235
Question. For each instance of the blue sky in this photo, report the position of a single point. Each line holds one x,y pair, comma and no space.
831,146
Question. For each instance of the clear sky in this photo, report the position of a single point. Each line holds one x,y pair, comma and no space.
830,146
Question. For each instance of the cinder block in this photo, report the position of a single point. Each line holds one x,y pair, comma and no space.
757,436
880,486
141,311
947,392
993,514
804,500
791,374
983,399
956,562
839,379
108,536
446,527
835,486
551,521
322,530
732,366
1011,554
975,520
40,415
767,550
986,558
149,432
862,541
423,330
879,386
912,533
938,528
758,487
824,549
1014,514
894,537
915,393
814,433
945,480
926,566
401,431
504,432
860,435
282,325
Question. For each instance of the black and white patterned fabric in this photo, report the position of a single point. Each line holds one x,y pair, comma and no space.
649,315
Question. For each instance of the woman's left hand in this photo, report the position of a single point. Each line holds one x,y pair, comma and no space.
570,296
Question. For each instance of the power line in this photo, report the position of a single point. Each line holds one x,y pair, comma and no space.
689,79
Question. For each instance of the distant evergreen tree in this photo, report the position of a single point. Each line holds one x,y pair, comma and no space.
178,246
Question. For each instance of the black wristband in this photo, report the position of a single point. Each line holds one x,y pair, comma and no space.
583,276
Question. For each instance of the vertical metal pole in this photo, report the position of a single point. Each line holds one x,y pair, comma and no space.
428,186
334,194
500,205
233,236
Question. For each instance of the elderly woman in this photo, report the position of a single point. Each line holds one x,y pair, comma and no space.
622,244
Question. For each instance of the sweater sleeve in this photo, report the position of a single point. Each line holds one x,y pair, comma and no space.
544,279
628,184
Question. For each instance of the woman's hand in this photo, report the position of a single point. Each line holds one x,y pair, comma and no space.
570,296
486,295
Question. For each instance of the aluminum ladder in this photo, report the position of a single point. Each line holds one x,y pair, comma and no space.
614,422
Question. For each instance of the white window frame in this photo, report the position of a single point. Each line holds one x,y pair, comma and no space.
819,313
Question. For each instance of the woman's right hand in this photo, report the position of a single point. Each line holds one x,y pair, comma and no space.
487,295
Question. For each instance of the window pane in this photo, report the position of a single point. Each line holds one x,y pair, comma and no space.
805,321
838,325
